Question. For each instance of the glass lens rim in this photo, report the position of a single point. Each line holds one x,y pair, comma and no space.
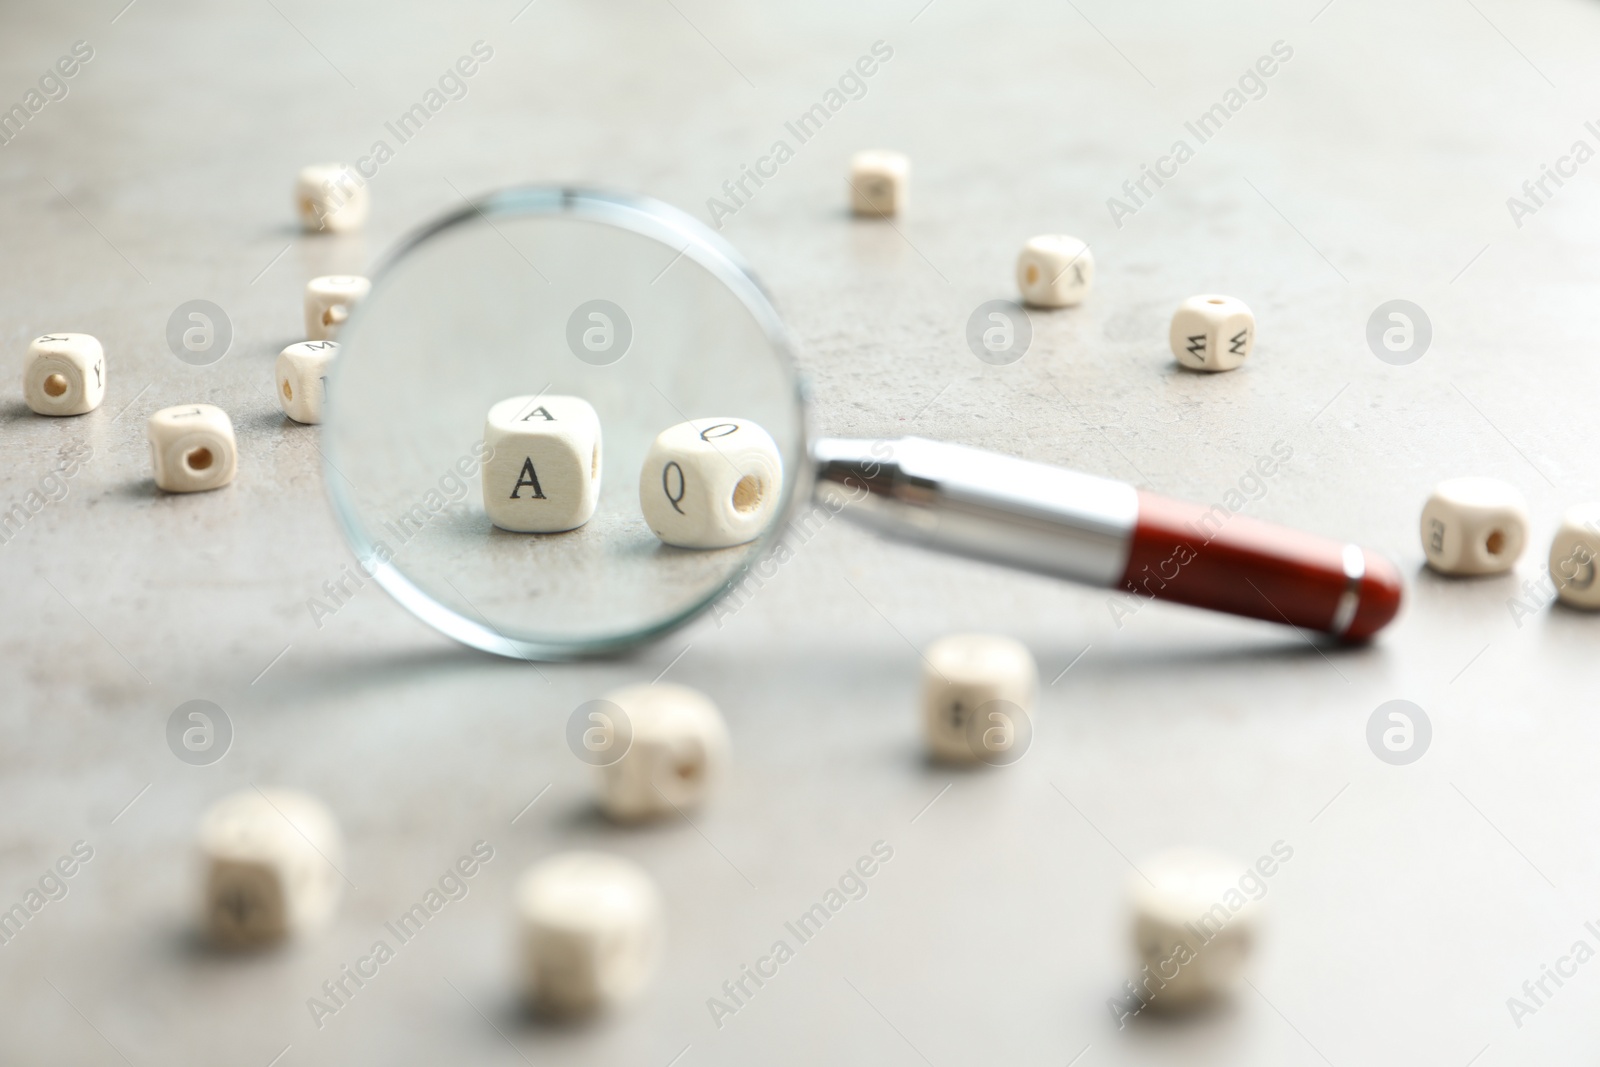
648,217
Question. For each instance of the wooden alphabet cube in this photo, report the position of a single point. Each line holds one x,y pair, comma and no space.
270,862
711,483
192,448
1575,555
978,693
543,471
1054,271
331,198
1193,926
1474,526
677,755
878,183
1212,333
64,374
329,302
302,375
591,931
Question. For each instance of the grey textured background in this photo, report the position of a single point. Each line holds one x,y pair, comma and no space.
1377,166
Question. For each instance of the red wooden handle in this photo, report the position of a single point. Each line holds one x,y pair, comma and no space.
1212,558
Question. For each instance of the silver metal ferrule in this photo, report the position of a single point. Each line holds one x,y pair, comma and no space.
983,504
1355,569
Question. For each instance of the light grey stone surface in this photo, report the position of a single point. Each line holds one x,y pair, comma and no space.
1377,166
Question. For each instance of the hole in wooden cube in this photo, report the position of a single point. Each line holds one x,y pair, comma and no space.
591,930
1195,915
331,198
747,494
1212,333
710,483
64,374
1054,271
878,183
302,371
192,448
1474,526
270,862
978,692
543,470
329,301
1573,551
677,755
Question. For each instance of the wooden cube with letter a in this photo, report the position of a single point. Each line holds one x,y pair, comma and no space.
542,474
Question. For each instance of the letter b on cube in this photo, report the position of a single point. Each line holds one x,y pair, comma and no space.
710,483
978,693
1474,526
543,471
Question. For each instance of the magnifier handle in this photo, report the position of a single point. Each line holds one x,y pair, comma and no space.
1107,533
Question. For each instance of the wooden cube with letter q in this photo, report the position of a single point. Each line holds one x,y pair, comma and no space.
543,471
711,483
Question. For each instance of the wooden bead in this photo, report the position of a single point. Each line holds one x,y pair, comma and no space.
542,474
1212,333
64,374
1474,526
711,483
1574,556
329,302
1193,928
302,375
978,694
677,754
270,860
878,183
591,929
192,448
1054,271
330,198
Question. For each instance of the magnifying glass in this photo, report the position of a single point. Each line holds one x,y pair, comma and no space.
566,421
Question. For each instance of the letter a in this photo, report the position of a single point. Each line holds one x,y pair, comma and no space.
319,1010
1519,209
1119,210
528,477
719,1010
718,211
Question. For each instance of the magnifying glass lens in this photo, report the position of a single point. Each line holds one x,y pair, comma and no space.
562,301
